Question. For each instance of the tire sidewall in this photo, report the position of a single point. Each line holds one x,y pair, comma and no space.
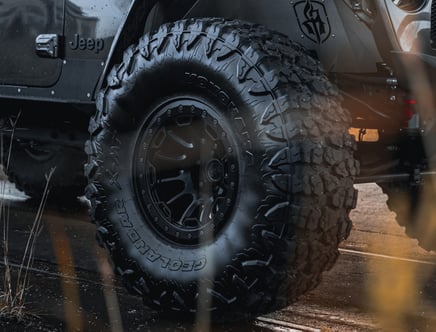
162,259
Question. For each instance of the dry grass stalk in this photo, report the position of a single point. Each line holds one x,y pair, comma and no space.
12,296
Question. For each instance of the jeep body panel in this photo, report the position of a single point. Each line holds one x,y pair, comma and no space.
21,21
90,42
94,34
70,77
341,40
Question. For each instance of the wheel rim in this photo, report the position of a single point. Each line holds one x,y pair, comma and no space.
186,173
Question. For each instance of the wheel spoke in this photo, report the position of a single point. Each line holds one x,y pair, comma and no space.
176,197
181,177
206,214
188,212
180,140
178,158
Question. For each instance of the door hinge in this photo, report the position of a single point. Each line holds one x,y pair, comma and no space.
47,45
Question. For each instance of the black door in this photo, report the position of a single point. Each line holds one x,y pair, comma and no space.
21,21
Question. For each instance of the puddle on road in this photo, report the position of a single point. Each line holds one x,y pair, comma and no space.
402,293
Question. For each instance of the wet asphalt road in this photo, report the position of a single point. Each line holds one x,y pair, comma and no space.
383,281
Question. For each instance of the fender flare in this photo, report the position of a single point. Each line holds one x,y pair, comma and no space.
126,35
132,29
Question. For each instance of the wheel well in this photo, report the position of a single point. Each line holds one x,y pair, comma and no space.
341,53
143,16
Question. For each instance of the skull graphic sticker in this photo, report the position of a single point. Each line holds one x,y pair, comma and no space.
313,20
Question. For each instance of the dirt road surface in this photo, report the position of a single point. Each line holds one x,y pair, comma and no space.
383,281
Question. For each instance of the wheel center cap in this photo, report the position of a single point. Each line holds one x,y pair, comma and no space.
215,171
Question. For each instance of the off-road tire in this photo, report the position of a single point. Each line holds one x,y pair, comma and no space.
286,159
29,171
415,210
